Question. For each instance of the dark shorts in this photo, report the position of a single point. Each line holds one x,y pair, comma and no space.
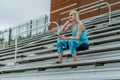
82,47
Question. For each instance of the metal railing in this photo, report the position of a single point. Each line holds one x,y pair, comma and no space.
99,5
87,10
9,35
16,40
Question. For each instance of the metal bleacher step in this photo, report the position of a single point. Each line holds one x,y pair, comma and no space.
50,66
104,29
94,74
38,55
101,19
54,55
100,41
105,40
114,32
109,39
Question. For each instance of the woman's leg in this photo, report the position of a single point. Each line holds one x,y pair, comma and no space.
60,44
60,57
72,46
74,56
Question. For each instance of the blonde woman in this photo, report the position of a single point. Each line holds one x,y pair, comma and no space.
78,40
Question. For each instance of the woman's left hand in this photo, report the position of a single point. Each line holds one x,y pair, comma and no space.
62,37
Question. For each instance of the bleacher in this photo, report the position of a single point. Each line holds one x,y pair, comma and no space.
35,55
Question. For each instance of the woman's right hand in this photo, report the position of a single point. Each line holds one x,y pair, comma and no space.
63,28
68,21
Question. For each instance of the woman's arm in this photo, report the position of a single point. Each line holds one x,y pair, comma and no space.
81,27
64,28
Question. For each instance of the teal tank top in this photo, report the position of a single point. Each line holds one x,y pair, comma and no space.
83,36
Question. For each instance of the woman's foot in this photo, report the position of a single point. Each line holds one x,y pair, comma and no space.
57,62
73,67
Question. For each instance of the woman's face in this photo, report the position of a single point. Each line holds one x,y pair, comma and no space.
72,16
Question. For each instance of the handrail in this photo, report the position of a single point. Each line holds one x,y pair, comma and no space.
99,5
16,40
34,28
96,9
55,23
88,9
40,26
81,7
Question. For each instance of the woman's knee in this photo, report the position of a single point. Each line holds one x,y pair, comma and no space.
72,46
59,42
71,43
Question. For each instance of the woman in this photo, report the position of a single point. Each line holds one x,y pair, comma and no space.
78,40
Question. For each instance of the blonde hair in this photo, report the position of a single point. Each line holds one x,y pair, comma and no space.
76,15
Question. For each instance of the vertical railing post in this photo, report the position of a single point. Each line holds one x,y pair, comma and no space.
46,21
9,36
59,19
99,1
30,28
37,27
109,12
2,41
16,48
